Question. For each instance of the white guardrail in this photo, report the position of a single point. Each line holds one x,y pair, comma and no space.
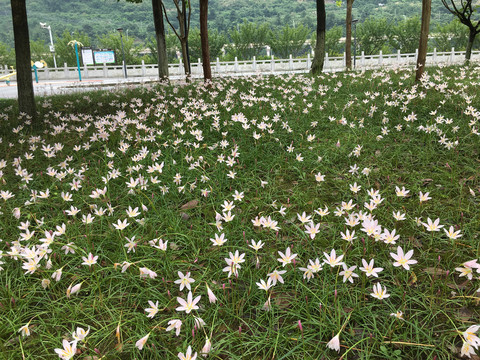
220,68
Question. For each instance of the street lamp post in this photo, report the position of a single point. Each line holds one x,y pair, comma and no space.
120,30
354,22
52,47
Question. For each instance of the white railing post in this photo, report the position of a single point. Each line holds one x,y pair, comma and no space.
144,70
272,64
217,65
326,64
47,73
180,68
235,65
200,67
362,59
380,58
85,72
434,55
105,70
416,56
290,63
399,57
452,55
309,61
65,70
254,64
344,60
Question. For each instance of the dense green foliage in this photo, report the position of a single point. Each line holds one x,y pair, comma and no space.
97,17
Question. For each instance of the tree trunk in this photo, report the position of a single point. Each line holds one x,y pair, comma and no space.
422,47
207,70
186,67
471,39
348,38
160,37
26,99
184,39
319,57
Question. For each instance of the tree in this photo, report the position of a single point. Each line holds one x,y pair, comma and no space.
348,38
319,57
184,10
26,99
404,35
464,10
333,46
39,51
453,34
248,39
207,70
288,40
113,41
171,42
332,41
161,44
65,53
373,35
162,58
7,55
422,47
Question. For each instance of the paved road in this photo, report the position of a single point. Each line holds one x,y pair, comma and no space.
55,87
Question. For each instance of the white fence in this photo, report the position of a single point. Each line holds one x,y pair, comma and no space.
250,67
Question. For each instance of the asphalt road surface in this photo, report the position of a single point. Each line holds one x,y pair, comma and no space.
52,87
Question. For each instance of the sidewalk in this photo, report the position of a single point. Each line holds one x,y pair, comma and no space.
56,87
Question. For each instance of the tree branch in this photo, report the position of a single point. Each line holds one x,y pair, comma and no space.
168,20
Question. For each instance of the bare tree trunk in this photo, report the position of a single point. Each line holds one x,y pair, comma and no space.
348,38
186,66
184,27
422,47
160,37
319,57
183,39
471,39
26,99
207,70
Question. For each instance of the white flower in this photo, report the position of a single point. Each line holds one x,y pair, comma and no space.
188,355
211,296
379,293
68,351
152,311
403,259
141,343
188,305
174,324
206,348
80,334
334,344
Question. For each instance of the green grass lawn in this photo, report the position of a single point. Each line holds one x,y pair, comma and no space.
345,205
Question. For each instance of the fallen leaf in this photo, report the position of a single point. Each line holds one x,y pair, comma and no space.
192,204
426,181
184,216
435,271
413,279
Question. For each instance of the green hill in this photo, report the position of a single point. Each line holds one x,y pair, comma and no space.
97,17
